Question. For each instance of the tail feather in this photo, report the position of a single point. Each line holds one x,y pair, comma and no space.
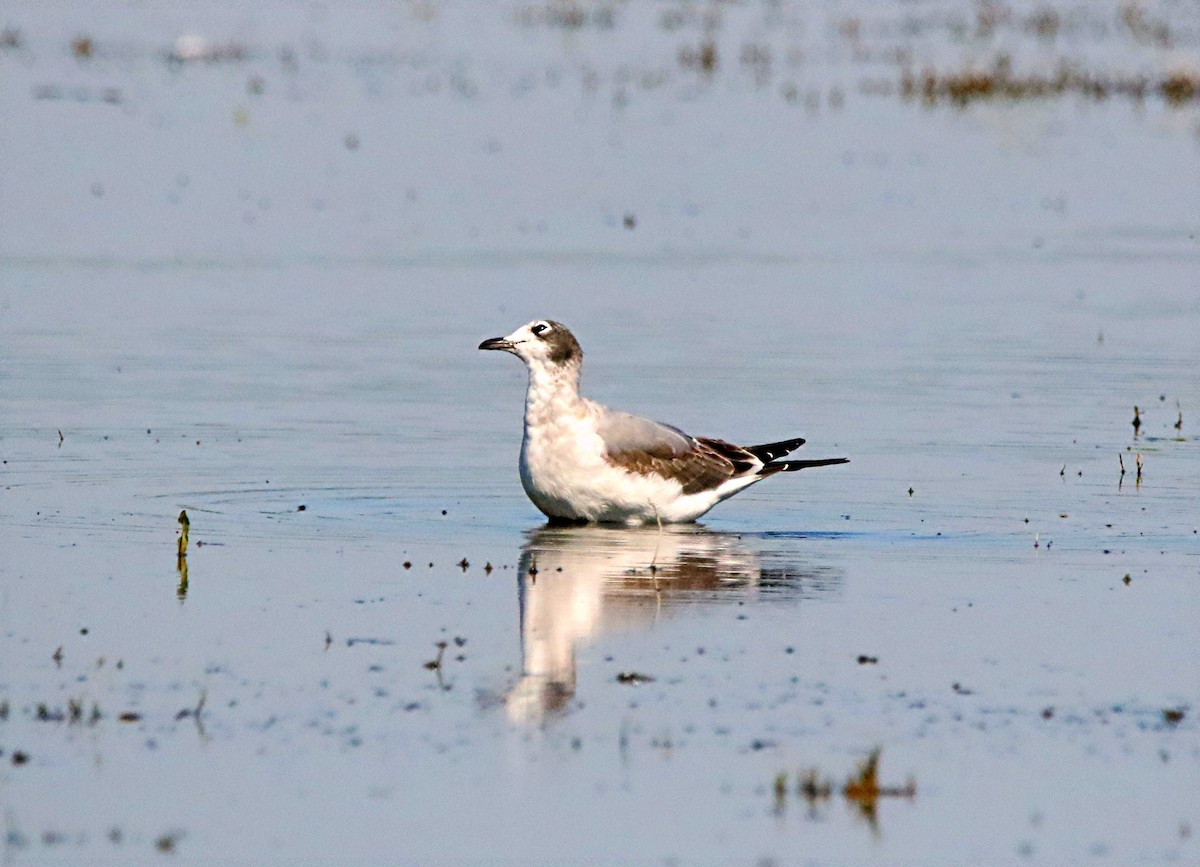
792,466
768,452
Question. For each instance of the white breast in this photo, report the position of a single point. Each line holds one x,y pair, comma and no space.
565,474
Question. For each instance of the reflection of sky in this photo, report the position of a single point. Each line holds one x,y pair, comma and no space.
580,582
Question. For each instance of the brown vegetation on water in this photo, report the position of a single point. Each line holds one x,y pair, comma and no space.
1000,82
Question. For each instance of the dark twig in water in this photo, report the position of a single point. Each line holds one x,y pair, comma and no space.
194,712
1137,421
435,665
634,678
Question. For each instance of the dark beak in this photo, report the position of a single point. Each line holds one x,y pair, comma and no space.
495,343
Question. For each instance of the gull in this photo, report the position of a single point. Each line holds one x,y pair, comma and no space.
583,462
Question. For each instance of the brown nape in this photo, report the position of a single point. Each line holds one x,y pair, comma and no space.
563,345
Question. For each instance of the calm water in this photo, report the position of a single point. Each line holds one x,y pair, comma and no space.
241,286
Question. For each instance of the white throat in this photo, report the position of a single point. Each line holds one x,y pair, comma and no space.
553,394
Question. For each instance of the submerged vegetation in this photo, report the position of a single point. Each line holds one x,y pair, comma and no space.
862,789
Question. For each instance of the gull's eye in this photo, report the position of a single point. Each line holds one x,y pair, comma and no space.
540,328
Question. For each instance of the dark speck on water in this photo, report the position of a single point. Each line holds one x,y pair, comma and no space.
633,678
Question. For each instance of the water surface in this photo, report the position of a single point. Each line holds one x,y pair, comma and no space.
254,283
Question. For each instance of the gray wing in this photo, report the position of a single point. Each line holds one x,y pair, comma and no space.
643,446
623,432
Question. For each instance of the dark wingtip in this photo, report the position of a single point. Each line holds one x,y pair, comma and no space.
770,451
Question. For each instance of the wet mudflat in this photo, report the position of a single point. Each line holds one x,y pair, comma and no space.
247,284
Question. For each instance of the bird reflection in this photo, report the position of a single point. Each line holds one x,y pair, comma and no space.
577,583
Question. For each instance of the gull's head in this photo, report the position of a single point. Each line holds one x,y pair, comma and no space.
541,343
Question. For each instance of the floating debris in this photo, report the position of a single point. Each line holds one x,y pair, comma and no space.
863,659
436,664
812,788
167,843
83,47
194,713
1173,716
1137,420
463,564
703,58
633,678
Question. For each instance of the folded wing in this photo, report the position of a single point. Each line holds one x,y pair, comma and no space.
640,445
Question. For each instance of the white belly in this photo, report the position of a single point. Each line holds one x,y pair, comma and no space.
566,476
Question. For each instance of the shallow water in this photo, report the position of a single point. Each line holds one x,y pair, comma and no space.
249,285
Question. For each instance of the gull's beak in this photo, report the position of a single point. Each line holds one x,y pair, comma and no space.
497,343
